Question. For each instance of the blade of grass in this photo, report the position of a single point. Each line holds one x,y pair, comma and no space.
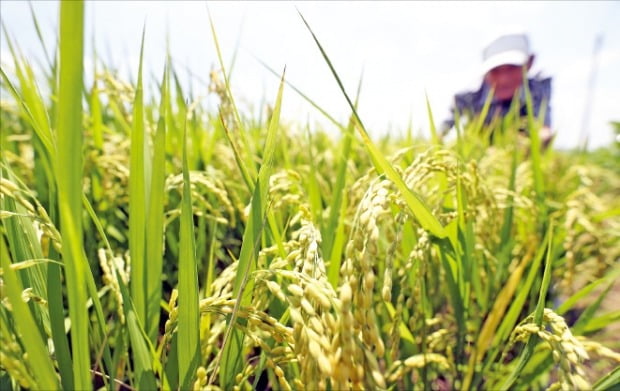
600,322
538,316
97,129
248,170
174,133
24,245
33,110
188,348
54,294
450,265
533,128
233,59
96,116
57,325
505,298
417,206
608,382
182,115
506,243
585,291
304,96
245,173
18,231
206,321
137,199
241,134
69,177
434,135
333,272
36,348
144,377
30,99
479,123
465,234
37,27
492,337
312,190
588,314
92,290
459,131
155,218
336,217
231,353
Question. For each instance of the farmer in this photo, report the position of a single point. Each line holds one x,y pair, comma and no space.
502,67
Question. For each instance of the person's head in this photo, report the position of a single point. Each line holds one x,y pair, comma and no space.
503,62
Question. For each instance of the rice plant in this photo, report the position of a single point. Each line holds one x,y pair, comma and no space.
147,243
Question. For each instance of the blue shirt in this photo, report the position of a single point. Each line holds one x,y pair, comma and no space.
471,103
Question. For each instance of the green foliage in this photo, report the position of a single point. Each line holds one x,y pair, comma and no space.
180,248
69,179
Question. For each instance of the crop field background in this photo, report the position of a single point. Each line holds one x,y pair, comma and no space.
149,243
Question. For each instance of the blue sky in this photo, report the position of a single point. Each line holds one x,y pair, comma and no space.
403,49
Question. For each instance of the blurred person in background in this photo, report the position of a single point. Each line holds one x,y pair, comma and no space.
503,61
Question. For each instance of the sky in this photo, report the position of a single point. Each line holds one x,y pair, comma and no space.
403,51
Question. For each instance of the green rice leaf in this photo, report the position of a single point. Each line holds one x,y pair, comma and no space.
304,96
581,293
69,177
533,129
608,382
516,304
36,348
600,322
138,199
241,135
155,218
417,205
336,219
188,347
434,135
231,354
588,314
35,21
57,325
538,317
142,358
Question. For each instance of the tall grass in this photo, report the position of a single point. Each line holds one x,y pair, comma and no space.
148,243
69,178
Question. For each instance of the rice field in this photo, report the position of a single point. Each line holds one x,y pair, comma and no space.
148,243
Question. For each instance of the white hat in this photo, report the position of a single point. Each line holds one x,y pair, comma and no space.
507,49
